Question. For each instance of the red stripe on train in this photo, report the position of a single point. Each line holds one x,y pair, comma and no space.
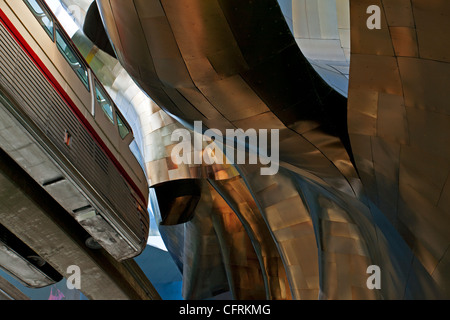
63,94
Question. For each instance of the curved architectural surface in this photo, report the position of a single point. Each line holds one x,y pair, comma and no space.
238,81
322,30
153,129
361,182
337,205
399,120
190,70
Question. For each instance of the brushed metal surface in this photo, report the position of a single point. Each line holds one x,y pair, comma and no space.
358,186
399,123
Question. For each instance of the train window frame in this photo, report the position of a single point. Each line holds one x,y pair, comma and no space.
39,17
98,88
121,123
59,32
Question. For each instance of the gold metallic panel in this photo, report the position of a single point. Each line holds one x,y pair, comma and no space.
237,195
311,230
244,270
403,160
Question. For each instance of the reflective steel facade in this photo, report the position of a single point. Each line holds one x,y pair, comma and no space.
362,182
363,120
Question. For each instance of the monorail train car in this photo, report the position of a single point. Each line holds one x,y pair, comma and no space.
59,124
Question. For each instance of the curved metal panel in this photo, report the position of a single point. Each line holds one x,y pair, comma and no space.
379,197
399,123
322,31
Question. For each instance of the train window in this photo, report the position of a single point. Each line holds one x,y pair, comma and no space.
75,62
42,15
123,129
104,102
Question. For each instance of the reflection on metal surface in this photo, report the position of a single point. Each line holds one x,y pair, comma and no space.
338,204
152,126
234,203
212,71
93,29
240,260
399,123
322,31
218,76
204,274
177,200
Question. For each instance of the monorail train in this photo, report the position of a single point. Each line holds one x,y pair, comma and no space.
59,124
